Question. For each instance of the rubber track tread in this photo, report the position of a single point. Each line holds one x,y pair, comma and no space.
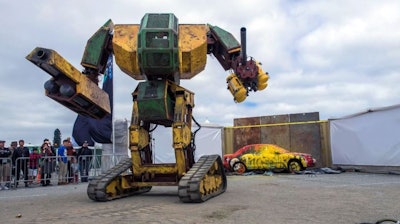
189,185
97,187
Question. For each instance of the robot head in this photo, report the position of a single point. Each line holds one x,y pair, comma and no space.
158,46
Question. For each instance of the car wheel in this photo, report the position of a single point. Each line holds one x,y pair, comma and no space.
232,162
239,167
294,166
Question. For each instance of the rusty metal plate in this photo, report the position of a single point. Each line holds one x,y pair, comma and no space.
286,131
278,135
246,135
306,137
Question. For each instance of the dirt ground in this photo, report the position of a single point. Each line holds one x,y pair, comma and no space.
349,197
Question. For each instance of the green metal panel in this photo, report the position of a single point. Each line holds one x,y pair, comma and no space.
93,55
158,21
226,38
154,102
158,46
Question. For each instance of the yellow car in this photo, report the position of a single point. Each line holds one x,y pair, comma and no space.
267,157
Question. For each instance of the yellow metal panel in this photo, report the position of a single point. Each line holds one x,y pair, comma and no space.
92,99
152,169
192,49
138,136
181,135
84,85
125,49
93,93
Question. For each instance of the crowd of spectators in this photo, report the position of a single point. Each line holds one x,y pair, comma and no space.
35,166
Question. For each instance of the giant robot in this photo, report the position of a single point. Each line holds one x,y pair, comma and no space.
158,52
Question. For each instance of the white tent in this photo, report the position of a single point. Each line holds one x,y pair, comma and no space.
208,141
370,138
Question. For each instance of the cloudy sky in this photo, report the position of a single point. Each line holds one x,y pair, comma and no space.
332,57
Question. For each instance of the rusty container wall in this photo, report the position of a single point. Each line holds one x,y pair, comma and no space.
287,131
248,134
227,146
326,155
279,134
306,137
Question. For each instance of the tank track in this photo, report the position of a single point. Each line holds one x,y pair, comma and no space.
192,184
97,187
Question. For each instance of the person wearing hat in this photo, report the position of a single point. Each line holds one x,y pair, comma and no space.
52,161
13,146
34,157
48,157
20,158
84,160
4,166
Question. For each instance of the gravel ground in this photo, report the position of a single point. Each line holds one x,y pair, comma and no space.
349,197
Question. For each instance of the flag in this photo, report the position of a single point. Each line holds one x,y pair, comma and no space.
97,130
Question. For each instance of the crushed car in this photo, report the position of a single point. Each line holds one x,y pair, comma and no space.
267,157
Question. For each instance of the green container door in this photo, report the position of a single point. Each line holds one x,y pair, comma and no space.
155,102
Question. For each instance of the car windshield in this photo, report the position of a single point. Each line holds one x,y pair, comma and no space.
281,150
275,149
260,149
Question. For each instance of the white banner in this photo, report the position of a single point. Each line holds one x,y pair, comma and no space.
371,138
208,141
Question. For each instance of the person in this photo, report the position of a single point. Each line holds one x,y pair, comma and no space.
46,165
62,162
70,154
33,164
52,161
13,147
20,159
75,169
4,166
84,160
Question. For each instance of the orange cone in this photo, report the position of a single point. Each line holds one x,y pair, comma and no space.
38,177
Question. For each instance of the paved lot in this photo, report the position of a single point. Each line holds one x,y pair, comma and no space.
284,198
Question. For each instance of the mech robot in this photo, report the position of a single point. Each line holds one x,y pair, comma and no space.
158,52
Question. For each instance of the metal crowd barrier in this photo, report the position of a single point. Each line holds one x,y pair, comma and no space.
98,164
5,173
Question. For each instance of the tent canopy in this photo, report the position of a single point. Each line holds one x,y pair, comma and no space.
369,138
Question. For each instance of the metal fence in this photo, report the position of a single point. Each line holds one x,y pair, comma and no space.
20,172
5,173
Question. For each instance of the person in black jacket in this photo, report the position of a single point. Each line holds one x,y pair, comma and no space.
84,160
47,164
51,161
20,159
4,166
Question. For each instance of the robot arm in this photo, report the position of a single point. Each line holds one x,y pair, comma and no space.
138,53
78,91
97,51
247,74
